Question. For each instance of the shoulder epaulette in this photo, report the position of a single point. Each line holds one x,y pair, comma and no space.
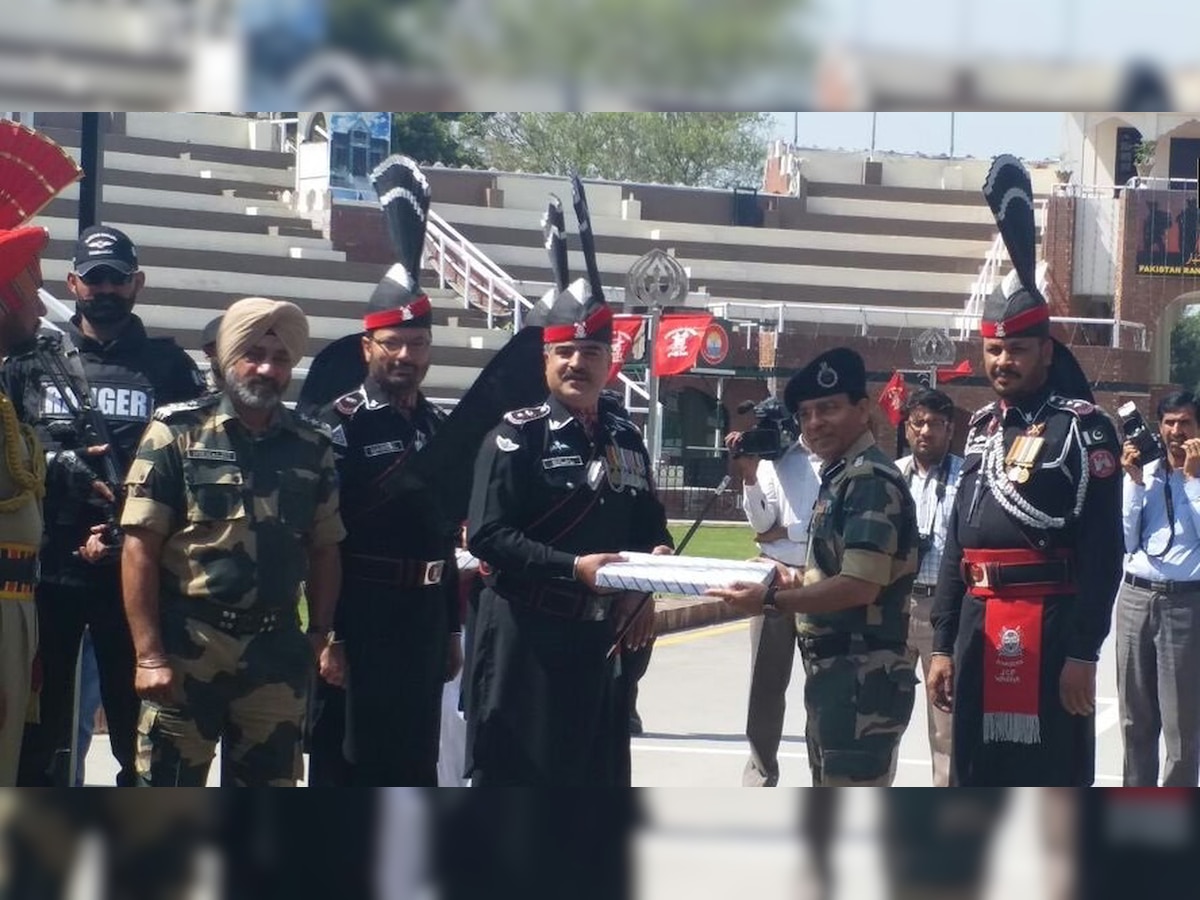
348,404
164,413
982,413
315,424
1079,408
528,414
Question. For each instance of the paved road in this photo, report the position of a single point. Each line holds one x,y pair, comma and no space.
693,705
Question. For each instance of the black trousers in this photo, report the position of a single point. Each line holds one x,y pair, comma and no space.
396,645
63,611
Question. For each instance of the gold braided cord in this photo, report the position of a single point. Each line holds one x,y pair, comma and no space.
29,479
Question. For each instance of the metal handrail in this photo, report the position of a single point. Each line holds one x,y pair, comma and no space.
478,271
966,323
451,255
1134,183
985,282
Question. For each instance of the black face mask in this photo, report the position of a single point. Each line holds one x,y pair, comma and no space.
105,309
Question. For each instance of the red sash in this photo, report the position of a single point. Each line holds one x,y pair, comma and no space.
1012,653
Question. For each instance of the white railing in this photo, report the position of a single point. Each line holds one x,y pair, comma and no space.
865,318
472,273
480,282
985,281
1135,183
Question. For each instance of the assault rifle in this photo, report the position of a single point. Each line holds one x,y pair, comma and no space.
60,359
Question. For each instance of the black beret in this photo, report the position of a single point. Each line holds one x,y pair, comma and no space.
837,371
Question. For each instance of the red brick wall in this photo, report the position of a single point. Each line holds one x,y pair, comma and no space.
1058,249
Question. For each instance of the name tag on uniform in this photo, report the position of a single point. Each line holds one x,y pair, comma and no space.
210,453
383,448
557,462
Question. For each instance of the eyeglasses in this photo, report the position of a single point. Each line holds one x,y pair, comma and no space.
936,424
394,347
103,274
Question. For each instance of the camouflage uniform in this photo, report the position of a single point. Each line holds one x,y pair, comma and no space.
238,514
860,682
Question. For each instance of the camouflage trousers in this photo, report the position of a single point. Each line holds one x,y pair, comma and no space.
858,705
250,692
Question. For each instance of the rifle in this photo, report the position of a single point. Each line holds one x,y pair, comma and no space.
60,359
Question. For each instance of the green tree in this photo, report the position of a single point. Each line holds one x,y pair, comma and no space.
1185,352
688,148
656,48
447,138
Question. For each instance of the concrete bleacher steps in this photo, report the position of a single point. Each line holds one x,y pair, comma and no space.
211,228
909,252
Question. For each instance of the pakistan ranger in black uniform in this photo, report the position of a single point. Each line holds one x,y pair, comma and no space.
398,612
1034,546
558,490
129,374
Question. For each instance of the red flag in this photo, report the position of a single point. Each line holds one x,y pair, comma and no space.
962,370
893,398
625,334
678,342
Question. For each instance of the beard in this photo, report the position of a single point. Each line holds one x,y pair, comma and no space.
397,379
254,393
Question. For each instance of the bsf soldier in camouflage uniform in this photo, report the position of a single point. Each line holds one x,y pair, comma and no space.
852,606
232,502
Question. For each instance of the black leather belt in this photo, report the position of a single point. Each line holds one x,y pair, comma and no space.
239,621
1163,587
924,590
1001,575
828,645
563,600
401,573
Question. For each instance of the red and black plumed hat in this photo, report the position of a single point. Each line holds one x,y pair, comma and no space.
1017,308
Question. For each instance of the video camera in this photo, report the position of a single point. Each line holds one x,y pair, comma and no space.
1140,434
773,432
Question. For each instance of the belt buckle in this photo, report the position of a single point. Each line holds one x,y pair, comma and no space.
979,574
433,572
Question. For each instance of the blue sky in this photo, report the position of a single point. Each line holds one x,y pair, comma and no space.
1160,30
1030,135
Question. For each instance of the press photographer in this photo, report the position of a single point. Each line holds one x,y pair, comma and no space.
779,487
1158,606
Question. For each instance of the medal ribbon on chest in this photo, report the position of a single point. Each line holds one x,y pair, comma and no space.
1023,454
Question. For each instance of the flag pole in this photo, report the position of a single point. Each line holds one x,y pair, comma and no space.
653,423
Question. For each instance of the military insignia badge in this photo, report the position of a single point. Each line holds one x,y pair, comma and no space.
528,414
1010,644
827,377
1101,463
508,445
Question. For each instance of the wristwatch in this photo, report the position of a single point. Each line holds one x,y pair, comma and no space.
769,607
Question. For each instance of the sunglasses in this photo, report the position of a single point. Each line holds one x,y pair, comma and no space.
105,275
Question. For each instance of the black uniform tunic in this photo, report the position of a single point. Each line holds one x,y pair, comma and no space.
1073,625
545,706
398,604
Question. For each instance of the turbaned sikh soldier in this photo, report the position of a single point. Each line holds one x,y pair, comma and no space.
232,503
398,612
851,606
1034,546
558,490
22,486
